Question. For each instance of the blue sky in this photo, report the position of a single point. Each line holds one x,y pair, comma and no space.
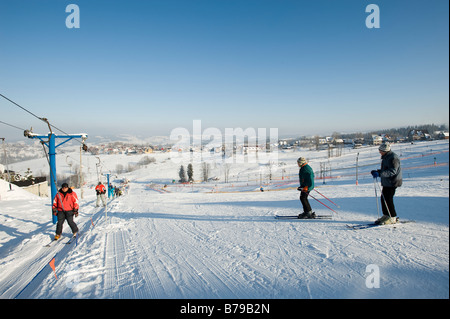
149,66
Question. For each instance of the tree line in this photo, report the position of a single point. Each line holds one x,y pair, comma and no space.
187,176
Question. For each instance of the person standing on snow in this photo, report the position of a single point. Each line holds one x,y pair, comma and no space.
100,189
391,178
65,207
306,177
110,190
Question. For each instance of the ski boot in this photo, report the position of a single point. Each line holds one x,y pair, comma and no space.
386,220
307,215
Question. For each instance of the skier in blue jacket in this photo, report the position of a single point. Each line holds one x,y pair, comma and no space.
306,178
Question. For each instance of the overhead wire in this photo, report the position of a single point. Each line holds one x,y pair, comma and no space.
12,126
20,106
40,118
48,123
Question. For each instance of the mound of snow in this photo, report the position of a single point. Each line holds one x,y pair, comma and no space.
16,193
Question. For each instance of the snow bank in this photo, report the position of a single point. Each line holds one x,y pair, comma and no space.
16,193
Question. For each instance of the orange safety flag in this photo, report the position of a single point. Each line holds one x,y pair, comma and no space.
52,265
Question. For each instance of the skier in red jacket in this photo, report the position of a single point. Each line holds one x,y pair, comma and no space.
65,206
100,189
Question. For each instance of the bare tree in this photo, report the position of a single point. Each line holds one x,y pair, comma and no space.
205,171
226,169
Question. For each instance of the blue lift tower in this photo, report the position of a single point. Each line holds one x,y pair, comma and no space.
50,141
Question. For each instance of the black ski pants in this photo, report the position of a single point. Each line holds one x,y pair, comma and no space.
62,216
387,201
304,200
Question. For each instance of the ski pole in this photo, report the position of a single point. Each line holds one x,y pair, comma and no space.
376,197
384,199
323,204
327,198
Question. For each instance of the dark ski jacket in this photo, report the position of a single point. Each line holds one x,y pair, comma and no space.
306,177
391,171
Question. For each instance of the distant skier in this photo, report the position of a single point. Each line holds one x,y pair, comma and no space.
391,178
110,190
65,206
306,177
100,189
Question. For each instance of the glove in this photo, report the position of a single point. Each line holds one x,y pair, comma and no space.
305,189
75,212
375,173
54,211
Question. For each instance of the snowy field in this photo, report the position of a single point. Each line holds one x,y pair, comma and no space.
221,240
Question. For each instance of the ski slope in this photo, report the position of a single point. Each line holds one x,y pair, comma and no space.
221,240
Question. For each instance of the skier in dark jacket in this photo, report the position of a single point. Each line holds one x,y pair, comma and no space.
391,178
306,177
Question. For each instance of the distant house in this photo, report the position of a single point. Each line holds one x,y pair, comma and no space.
416,135
441,135
377,139
131,152
246,148
4,173
348,141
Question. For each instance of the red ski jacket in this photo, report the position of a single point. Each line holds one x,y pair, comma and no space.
66,201
101,189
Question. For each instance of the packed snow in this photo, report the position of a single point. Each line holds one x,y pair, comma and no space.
220,240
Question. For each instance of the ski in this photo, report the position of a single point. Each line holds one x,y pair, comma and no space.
296,217
371,225
52,242
72,239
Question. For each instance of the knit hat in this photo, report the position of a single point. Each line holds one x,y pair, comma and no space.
64,185
301,160
385,147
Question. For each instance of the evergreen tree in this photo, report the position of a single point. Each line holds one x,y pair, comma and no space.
182,174
190,172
